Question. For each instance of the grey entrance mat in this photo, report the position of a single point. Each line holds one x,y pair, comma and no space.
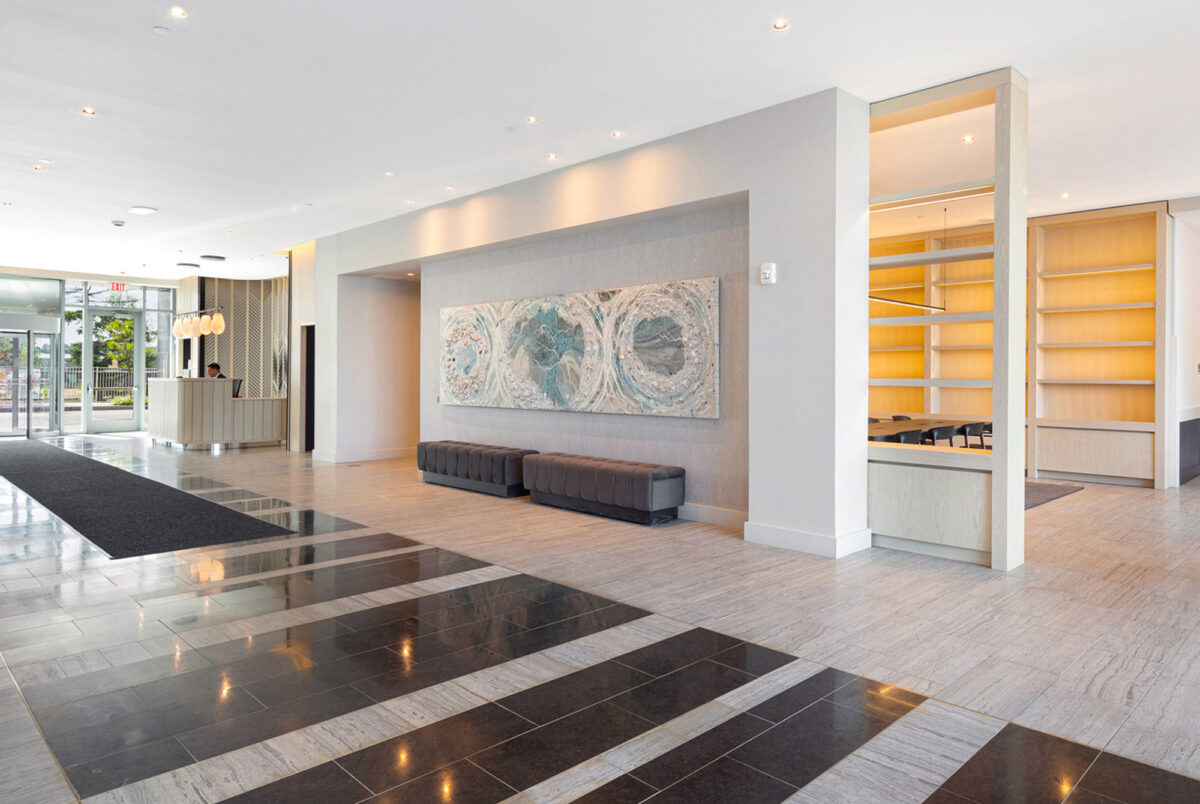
1037,493
120,512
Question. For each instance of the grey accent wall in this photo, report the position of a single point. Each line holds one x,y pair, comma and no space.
254,346
697,244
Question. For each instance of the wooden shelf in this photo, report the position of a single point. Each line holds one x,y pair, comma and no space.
1102,345
897,348
899,286
1111,269
1091,308
955,282
931,319
933,257
930,195
900,382
1087,424
1096,382
970,348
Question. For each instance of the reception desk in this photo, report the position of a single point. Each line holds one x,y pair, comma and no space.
203,412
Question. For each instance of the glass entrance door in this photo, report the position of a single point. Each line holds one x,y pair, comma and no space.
114,360
44,387
14,384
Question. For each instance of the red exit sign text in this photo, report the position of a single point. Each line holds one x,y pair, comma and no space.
117,287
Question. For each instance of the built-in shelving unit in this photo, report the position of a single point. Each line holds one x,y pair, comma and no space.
1097,285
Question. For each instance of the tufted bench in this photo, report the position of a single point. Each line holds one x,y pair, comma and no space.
636,492
476,467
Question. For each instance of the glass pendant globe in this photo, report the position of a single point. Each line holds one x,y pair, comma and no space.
218,323
177,329
205,325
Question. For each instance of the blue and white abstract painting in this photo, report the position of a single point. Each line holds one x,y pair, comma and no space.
648,349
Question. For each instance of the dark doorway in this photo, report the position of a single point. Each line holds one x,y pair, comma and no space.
309,338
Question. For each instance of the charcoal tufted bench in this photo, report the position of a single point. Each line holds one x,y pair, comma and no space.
476,467
636,492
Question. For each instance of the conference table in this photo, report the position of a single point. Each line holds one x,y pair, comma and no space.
885,429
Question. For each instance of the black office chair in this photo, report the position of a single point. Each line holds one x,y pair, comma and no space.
935,434
872,421
909,437
969,430
902,418
892,438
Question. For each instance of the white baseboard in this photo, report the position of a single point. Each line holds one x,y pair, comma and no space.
725,517
350,456
816,543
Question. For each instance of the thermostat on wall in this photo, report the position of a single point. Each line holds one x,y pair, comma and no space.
767,273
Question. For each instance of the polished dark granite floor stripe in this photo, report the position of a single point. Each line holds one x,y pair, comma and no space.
1021,764
229,567
429,748
273,721
671,654
264,504
821,733
1133,782
670,696
308,522
549,750
622,790
326,784
538,639
122,732
562,696
713,744
227,495
460,783
731,781
126,767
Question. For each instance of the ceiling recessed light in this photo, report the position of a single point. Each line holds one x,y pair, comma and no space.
1066,195
780,25
178,12
409,202
618,133
531,120
138,209
187,265
968,138
38,167
552,156
88,111
449,188
388,173
161,30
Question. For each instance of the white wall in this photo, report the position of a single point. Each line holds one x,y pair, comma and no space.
804,167
377,392
303,312
1186,254
710,242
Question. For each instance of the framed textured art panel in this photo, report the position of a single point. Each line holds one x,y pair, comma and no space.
648,349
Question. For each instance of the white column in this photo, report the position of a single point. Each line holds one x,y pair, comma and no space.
1008,340
808,348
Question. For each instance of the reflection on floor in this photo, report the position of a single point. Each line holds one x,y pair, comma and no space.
405,643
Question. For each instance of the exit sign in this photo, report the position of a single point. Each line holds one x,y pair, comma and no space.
117,287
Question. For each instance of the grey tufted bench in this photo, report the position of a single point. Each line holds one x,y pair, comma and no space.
636,492
476,467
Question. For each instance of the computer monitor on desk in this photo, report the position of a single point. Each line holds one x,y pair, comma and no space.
237,389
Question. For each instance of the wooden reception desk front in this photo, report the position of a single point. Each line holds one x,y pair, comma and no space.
203,412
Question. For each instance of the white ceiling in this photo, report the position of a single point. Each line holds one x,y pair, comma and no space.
249,110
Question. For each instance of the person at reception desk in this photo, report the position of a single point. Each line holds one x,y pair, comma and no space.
214,371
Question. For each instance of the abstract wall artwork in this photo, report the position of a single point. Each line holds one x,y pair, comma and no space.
648,349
